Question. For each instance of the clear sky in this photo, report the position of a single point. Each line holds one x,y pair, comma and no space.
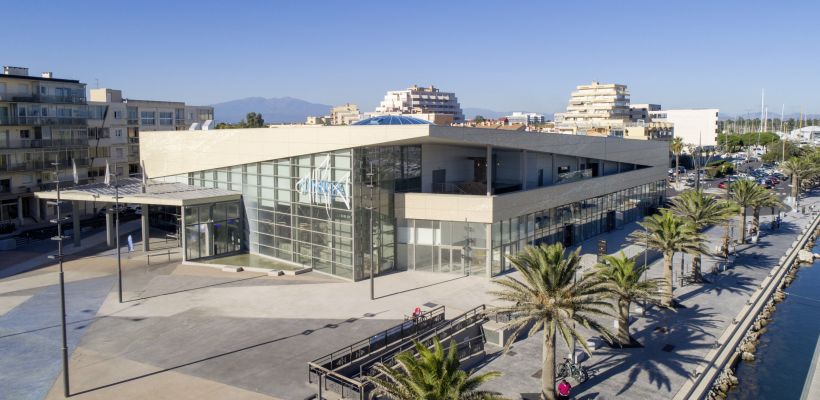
502,55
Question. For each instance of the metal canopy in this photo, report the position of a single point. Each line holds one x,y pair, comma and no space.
131,191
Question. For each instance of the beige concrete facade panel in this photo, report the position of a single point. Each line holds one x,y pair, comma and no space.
445,207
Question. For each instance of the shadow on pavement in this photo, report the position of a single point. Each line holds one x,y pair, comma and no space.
686,332
239,350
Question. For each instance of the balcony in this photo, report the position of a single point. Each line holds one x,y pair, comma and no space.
134,140
49,99
43,121
44,143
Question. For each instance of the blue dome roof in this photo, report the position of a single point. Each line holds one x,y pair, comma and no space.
392,120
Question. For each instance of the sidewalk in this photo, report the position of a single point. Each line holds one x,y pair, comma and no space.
673,341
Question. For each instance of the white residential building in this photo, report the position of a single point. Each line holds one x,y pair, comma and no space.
345,114
694,126
523,118
421,100
597,109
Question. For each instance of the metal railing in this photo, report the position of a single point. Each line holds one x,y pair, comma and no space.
474,188
38,120
428,326
41,165
38,98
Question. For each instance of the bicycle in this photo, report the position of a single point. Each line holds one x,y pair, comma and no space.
569,368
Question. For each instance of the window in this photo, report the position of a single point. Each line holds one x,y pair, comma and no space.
166,118
118,132
24,134
117,114
148,118
563,169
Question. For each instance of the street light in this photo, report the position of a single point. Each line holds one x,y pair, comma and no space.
59,256
370,209
116,212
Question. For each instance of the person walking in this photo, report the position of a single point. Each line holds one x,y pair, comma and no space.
563,389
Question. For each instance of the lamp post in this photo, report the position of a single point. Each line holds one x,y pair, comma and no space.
59,256
645,265
370,210
116,212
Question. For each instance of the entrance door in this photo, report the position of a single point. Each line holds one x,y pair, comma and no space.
444,258
439,179
568,234
479,170
610,221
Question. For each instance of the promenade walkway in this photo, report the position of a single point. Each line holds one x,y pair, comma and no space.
674,341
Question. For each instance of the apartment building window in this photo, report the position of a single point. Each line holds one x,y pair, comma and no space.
118,132
117,115
180,115
166,118
148,118
132,115
24,134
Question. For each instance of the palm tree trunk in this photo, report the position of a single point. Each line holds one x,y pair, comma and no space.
696,274
755,220
677,166
724,248
623,324
794,189
666,299
742,225
548,367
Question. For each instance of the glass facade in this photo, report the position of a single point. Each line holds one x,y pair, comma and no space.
464,248
335,212
212,229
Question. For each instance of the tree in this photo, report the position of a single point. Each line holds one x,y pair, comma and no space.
668,234
432,374
676,147
479,119
744,193
550,297
624,281
799,168
253,120
700,210
767,199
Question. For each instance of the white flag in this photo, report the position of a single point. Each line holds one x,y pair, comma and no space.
107,174
74,168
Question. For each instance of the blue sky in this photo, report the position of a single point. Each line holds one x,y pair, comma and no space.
503,55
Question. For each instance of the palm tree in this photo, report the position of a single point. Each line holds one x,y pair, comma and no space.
676,147
799,168
745,193
701,210
550,297
626,286
430,375
767,199
668,234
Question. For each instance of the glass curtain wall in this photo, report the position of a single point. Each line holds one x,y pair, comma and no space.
388,169
298,209
573,223
213,229
442,246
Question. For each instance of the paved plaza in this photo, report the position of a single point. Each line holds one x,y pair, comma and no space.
192,332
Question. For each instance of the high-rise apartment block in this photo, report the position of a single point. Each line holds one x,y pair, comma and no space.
43,120
421,100
46,120
597,109
345,114
523,118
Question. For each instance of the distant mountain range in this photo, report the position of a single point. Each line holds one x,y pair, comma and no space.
289,110
273,110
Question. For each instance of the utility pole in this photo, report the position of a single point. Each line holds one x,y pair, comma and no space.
59,256
370,209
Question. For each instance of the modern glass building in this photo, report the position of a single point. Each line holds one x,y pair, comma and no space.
393,194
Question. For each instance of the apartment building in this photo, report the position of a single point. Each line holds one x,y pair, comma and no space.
421,100
597,109
523,118
345,114
117,122
694,126
43,121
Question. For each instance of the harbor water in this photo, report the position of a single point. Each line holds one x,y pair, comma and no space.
785,353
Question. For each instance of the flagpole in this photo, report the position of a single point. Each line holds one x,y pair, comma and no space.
117,230
59,256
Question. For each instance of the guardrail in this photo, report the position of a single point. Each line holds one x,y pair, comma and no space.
167,253
725,347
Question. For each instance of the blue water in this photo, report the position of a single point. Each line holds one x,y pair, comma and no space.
785,352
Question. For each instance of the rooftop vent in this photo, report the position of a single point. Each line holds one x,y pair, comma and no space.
47,75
